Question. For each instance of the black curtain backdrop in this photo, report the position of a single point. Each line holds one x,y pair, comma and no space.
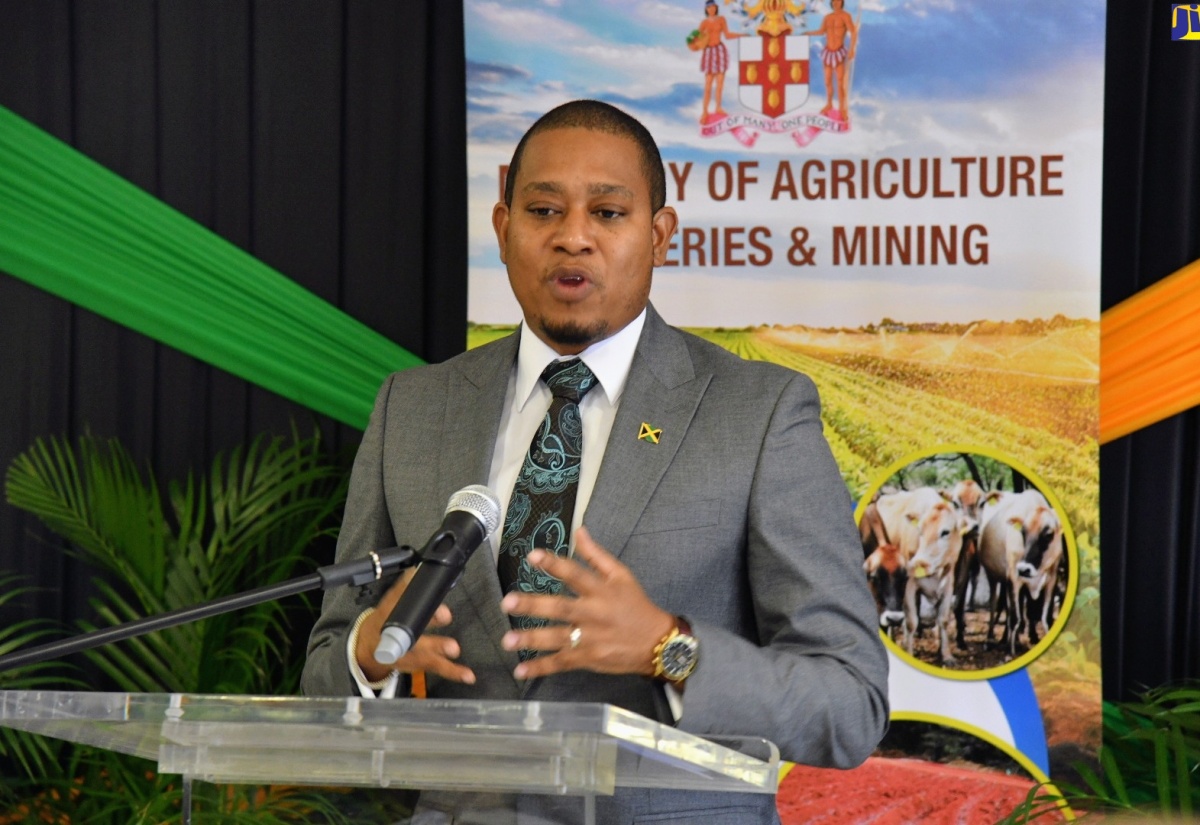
1149,484
327,138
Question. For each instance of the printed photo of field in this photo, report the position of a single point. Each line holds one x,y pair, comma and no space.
1027,390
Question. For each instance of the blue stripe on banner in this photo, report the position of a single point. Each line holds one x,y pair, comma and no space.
1015,693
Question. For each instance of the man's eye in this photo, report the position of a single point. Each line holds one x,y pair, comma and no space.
540,211
608,214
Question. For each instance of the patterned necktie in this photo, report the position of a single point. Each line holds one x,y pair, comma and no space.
543,498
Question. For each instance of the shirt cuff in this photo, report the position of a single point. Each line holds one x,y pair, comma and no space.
675,700
386,687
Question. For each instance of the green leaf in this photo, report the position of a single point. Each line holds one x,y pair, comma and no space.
1112,772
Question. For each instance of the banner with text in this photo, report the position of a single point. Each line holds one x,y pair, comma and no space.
900,198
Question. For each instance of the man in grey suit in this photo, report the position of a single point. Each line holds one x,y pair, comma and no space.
715,578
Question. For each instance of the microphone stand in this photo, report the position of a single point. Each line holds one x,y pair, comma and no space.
360,573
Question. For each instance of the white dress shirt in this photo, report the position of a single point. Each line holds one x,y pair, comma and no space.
528,398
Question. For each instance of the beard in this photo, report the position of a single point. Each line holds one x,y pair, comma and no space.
574,334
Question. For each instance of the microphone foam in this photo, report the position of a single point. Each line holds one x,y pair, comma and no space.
480,502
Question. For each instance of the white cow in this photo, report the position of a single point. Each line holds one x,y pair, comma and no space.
901,513
1021,546
931,572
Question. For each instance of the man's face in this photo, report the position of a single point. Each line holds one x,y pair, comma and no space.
580,240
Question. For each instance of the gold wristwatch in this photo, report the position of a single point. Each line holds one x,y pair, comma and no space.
676,655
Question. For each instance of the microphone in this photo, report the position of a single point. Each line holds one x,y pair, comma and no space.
471,516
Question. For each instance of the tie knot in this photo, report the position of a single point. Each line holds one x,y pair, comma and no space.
569,379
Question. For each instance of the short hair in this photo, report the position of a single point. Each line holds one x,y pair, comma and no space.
597,116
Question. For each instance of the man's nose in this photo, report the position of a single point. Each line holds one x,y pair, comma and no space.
575,232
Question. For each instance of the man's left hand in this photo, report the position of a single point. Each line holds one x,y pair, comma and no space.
616,626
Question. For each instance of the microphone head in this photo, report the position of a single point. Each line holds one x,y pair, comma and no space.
480,502
394,642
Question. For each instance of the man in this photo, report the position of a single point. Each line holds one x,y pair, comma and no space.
837,27
714,60
726,521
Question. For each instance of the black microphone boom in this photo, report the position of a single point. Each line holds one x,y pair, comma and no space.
376,567
471,516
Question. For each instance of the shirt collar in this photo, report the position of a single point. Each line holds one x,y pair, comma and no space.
609,360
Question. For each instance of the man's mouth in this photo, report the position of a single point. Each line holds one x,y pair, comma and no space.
570,280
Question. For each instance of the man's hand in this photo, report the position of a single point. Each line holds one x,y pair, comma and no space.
431,653
616,624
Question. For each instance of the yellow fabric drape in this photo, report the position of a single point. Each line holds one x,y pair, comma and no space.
1150,355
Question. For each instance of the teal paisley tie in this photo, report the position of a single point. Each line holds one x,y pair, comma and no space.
543,499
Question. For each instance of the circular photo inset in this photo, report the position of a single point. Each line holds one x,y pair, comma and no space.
971,561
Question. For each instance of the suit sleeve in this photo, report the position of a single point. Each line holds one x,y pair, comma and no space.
365,527
815,682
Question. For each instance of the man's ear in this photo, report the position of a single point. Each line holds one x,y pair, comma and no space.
663,228
500,225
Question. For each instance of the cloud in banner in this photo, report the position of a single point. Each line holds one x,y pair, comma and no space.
914,40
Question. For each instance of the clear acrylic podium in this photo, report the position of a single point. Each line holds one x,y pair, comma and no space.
567,749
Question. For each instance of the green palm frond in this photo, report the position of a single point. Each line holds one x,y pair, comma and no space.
248,522
33,755
1149,763
251,520
153,662
98,501
1041,801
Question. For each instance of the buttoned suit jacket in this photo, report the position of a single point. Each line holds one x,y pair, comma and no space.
737,518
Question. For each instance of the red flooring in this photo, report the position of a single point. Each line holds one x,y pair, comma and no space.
899,792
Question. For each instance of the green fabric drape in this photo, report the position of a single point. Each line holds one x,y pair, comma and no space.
75,229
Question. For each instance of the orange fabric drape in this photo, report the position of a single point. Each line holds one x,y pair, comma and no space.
1150,355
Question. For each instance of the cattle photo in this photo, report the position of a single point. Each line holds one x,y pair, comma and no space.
968,561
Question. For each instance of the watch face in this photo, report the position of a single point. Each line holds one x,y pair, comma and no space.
679,657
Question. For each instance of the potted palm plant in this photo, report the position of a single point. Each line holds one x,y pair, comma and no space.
250,521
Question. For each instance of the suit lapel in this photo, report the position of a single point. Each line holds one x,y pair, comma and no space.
474,403
475,395
663,392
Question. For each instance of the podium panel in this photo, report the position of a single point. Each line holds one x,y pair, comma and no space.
559,748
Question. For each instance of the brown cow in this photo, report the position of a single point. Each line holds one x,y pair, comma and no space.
871,530
966,496
931,573
888,578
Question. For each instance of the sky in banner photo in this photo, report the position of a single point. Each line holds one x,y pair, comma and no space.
963,181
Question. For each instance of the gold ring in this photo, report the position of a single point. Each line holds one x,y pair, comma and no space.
574,637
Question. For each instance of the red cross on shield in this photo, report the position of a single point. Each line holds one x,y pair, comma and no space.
772,73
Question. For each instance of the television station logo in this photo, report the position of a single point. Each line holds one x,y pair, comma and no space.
1185,21
779,44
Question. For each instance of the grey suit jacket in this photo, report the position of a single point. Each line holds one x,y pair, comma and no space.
737,519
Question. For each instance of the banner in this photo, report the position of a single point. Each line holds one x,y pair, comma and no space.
901,200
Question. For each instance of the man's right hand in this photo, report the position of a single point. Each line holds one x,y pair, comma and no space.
432,653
